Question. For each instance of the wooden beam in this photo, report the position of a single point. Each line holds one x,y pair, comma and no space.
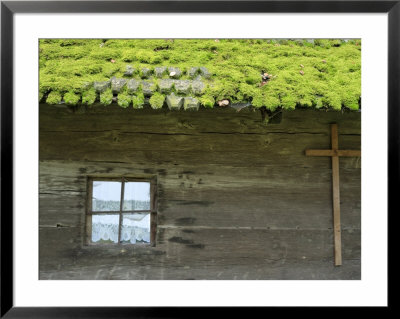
153,214
345,153
336,197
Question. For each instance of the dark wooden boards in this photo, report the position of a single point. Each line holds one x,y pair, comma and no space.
203,248
218,120
196,198
302,270
236,199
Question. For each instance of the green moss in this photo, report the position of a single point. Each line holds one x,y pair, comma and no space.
124,99
288,102
157,100
272,102
246,92
350,99
258,100
106,97
54,98
252,76
207,101
332,100
71,98
89,96
138,101
326,73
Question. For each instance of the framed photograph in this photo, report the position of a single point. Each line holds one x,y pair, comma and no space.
163,155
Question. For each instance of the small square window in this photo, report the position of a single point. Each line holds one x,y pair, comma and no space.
121,211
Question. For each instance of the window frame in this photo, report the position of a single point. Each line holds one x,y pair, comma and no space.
124,179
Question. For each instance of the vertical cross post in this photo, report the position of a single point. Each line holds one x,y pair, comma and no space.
335,153
336,196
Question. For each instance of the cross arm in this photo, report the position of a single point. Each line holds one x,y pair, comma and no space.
333,153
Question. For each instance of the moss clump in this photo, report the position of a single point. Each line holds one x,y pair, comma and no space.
332,100
157,100
207,101
71,98
54,98
351,101
258,100
138,101
124,99
272,102
89,96
252,76
106,97
288,102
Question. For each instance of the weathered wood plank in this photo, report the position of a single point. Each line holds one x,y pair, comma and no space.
58,244
312,212
216,244
70,178
130,142
177,248
302,270
62,210
237,245
276,198
195,197
223,120
226,209
155,150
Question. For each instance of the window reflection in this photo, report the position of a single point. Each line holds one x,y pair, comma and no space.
137,196
106,196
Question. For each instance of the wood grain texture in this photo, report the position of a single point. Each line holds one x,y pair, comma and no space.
217,120
235,199
253,270
336,196
333,153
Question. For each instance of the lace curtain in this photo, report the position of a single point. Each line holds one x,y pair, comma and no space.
109,232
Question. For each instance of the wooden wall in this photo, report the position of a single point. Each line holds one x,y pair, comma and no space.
237,199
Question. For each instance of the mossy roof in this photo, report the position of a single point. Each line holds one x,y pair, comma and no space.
259,72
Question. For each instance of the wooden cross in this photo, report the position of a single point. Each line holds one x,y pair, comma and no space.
335,153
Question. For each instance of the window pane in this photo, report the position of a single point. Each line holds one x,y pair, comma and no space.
135,228
137,196
105,228
106,196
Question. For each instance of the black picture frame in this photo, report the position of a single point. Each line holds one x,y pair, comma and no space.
9,8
